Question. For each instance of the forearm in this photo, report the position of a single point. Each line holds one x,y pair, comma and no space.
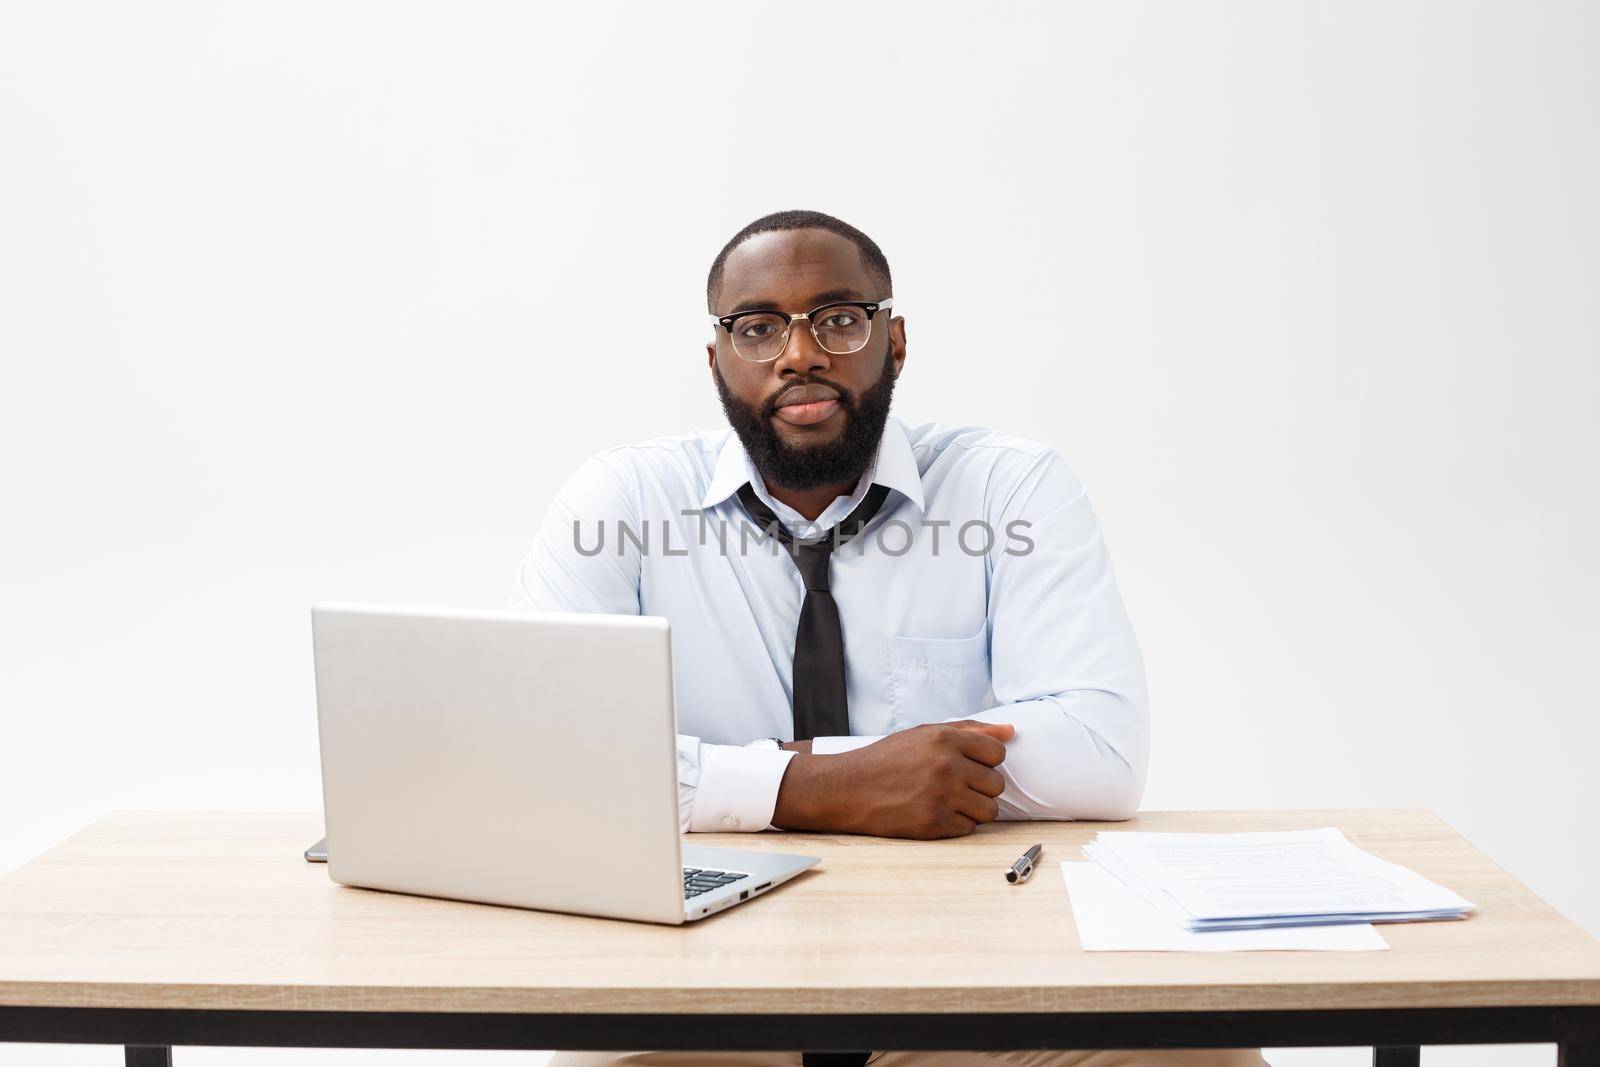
1059,764
807,796
1062,763
934,780
813,794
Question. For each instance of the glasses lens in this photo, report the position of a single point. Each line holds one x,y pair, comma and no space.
842,329
759,336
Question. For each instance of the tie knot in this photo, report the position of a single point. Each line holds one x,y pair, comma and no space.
812,562
812,559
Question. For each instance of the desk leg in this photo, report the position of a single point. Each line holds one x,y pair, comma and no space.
1397,1056
1578,1054
147,1056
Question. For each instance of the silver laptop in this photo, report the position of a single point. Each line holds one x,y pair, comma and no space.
514,758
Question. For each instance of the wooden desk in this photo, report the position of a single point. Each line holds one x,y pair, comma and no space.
161,929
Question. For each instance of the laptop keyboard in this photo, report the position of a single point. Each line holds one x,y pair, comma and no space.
697,881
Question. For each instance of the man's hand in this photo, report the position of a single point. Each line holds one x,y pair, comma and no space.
937,780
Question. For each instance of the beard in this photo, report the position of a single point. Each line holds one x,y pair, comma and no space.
840,461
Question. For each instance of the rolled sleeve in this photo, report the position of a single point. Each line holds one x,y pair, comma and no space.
738,788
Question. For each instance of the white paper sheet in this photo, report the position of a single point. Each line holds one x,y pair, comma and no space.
1112,919
1244,880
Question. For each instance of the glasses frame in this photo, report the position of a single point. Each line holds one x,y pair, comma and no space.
870,307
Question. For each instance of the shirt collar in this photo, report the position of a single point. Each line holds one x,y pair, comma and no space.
895,466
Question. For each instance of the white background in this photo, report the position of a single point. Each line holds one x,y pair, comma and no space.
301,302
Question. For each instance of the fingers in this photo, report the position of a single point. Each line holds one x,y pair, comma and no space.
1000,731
977,807
959,825
980,747
987,780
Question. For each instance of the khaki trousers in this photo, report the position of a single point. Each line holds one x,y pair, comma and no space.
1165,1058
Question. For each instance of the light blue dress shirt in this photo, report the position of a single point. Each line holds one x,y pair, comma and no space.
982,589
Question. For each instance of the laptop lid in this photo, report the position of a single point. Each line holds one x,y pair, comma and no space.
501,756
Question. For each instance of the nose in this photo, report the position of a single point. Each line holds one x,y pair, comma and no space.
801,354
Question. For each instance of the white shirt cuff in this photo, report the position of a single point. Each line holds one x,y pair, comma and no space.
738,788
832,746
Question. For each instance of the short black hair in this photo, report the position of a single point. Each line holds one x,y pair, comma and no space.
872,256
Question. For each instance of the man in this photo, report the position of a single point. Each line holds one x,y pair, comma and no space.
930,638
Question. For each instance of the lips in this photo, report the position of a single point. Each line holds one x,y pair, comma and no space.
807,405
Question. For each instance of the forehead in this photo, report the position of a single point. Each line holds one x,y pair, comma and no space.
791,269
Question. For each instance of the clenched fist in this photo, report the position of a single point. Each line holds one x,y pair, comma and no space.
937,780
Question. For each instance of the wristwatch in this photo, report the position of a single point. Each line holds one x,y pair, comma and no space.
770,744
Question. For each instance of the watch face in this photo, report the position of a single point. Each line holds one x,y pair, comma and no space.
765,742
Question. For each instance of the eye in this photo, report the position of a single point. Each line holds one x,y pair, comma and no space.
755,331
839,320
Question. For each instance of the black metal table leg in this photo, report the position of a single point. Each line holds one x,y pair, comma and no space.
1578,1054
1579,1046
147,1055
1397,1056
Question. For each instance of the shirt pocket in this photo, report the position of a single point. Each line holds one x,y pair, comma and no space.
931,679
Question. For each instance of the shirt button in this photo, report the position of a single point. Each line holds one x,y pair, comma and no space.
729,820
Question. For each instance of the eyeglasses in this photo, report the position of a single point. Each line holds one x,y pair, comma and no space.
839,328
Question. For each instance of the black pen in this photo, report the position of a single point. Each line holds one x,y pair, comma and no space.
1020,870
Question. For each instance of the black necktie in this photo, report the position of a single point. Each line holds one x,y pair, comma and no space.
821,708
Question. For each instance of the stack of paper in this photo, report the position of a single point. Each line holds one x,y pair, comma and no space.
1110,918
1250,881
